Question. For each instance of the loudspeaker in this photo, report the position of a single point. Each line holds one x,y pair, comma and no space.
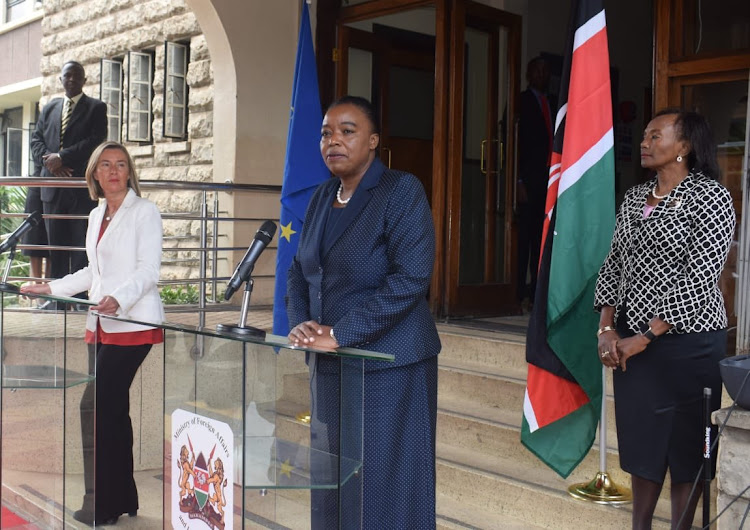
734,373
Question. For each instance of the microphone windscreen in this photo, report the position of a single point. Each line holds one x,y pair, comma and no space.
266,231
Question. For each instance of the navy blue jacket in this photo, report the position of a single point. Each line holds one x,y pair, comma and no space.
370,280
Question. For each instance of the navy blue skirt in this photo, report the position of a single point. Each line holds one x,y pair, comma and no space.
658,404
397,482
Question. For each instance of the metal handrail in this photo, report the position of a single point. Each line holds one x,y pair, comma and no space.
227,187
203,216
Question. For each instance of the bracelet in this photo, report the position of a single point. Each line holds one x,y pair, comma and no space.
604,330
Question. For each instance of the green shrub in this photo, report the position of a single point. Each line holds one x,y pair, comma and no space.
12,200
181,295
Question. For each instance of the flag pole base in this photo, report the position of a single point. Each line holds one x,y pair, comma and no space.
601,490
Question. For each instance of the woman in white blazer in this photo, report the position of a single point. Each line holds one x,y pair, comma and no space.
123,246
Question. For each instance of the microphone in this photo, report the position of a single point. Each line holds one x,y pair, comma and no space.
30,222
242,273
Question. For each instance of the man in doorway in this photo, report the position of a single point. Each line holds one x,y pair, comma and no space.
67,132
534,148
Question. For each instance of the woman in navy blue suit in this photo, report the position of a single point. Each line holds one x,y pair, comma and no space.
360,279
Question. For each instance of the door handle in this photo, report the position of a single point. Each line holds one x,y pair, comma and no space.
482,167
389,155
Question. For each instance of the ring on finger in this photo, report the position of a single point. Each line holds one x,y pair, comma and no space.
605,354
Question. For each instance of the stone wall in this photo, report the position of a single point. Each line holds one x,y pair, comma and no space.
733,469
88,31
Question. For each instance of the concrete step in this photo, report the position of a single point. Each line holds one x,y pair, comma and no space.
454,515
491,395
496,352
502,442
297,388
538,499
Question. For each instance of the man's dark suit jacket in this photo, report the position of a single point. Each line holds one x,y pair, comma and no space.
533,148
87,128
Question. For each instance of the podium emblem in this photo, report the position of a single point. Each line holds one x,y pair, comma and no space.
202,497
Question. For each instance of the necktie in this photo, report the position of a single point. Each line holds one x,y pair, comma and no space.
67,113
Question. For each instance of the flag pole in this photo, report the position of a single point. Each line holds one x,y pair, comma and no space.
602,489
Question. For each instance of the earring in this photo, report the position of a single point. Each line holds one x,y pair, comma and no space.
679,158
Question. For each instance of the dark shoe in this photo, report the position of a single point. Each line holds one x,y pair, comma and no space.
133,513
84,516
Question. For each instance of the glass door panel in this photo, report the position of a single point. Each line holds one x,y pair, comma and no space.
725,106
484,66
390,60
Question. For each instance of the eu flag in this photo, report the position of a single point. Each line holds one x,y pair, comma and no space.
304,168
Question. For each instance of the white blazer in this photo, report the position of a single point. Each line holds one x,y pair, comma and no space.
125,264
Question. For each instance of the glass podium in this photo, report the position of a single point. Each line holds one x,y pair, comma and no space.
238,451
43,374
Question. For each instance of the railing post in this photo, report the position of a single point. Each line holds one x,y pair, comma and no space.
215,259
204,257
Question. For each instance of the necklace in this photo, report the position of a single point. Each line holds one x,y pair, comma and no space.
660,197
338,196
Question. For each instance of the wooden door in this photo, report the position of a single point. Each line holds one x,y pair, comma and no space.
484,68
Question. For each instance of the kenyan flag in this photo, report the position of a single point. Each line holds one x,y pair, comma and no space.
564,385
201,480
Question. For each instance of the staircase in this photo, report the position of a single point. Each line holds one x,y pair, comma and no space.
485,478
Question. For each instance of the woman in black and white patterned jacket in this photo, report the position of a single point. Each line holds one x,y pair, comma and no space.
663,322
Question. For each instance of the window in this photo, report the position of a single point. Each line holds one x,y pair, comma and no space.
140,80
33,170
175,90
11,147
17,9
110,89
13,155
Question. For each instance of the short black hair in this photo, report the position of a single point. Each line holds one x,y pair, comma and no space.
74,63
362,104
695,130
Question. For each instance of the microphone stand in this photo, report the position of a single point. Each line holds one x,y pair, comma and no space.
242,328
4,281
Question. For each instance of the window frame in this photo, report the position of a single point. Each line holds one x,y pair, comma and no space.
113,134
177,72
148,84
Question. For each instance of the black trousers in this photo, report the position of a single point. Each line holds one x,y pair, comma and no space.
38,234
530,226
105,411
67,232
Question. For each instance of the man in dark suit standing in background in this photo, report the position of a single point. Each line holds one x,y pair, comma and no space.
535,130
66,134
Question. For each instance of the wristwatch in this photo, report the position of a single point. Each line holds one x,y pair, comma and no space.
332,335
649,334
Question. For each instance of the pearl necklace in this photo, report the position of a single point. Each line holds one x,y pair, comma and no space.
659,197
338,195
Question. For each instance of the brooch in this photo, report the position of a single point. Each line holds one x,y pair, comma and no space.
675,203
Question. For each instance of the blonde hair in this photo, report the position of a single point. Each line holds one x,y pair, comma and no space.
95,190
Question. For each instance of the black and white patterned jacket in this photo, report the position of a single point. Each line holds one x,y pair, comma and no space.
668,264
